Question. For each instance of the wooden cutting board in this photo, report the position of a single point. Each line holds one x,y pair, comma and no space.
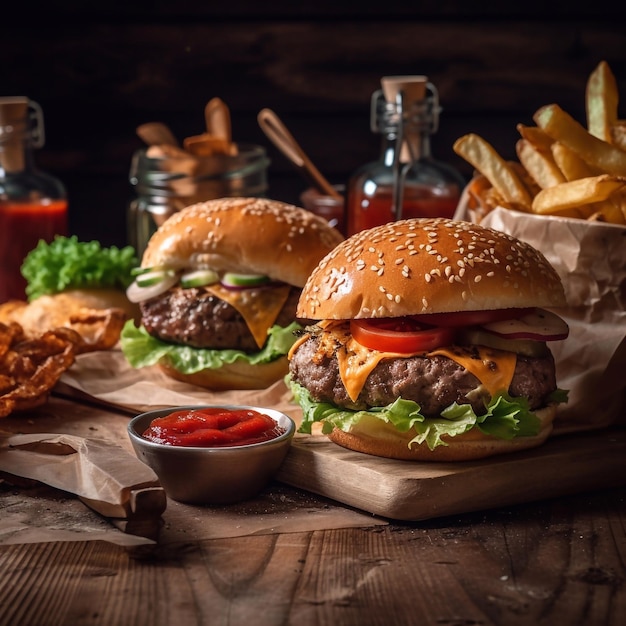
413,491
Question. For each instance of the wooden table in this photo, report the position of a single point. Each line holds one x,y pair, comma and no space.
560,561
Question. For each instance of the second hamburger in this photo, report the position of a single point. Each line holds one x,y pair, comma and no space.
218,287
432,342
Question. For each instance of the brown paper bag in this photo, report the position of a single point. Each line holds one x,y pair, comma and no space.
590,258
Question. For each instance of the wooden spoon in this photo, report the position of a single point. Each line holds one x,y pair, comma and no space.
278,134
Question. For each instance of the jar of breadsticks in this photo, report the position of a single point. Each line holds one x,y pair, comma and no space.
169,175
167,179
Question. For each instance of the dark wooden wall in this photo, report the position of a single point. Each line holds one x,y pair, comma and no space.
101,69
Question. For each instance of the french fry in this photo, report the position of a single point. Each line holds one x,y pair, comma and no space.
570,164
536,136
601,98
575,193
564,128
475,150
607,211
527,180
539,164
618,134
563,167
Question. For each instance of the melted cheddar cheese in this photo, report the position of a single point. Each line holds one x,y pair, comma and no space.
493,368
258,307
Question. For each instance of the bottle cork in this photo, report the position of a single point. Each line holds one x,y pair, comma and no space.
13,125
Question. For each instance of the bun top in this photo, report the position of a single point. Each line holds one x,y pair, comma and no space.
243,235
436,265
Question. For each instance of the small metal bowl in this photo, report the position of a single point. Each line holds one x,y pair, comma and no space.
220,475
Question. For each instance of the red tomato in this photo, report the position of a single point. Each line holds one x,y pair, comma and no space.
469,318
400,334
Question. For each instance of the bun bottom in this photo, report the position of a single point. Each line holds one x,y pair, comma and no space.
237,375
388,442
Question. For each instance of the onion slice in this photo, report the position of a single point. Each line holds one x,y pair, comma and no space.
136,293
538,325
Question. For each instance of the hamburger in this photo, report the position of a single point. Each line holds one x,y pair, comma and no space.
75,284
218,287
431,343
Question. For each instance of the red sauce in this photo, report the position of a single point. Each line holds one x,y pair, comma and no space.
366,211
22,225
212,427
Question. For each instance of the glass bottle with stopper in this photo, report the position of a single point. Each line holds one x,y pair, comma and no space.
33,204
406,181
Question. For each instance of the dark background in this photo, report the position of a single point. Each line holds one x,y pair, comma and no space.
101,69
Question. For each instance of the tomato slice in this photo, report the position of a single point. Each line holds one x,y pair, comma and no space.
400,334
469,318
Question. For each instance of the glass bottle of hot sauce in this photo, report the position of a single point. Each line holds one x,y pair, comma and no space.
406,181
33,204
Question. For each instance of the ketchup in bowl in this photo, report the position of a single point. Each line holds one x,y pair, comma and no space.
213,427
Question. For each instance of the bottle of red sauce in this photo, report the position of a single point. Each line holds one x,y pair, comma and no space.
33,204
406,181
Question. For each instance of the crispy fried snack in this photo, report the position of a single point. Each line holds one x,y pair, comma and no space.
96,328
30,368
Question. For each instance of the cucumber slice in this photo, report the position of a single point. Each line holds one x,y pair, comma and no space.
525,347
138,271
198,278
231,279
153,278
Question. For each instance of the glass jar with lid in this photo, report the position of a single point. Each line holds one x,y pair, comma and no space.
406,181
33,203
167,180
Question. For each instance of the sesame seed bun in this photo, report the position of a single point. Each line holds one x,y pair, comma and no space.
243,235
384,440
436,265
237,375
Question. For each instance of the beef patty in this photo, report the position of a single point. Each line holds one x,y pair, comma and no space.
433,382
196,318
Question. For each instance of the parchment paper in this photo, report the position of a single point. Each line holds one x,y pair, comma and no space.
106,378
590,258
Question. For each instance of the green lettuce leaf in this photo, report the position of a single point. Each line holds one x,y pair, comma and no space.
142,350
68,263
505,417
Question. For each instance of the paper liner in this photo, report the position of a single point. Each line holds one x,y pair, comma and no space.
590,258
